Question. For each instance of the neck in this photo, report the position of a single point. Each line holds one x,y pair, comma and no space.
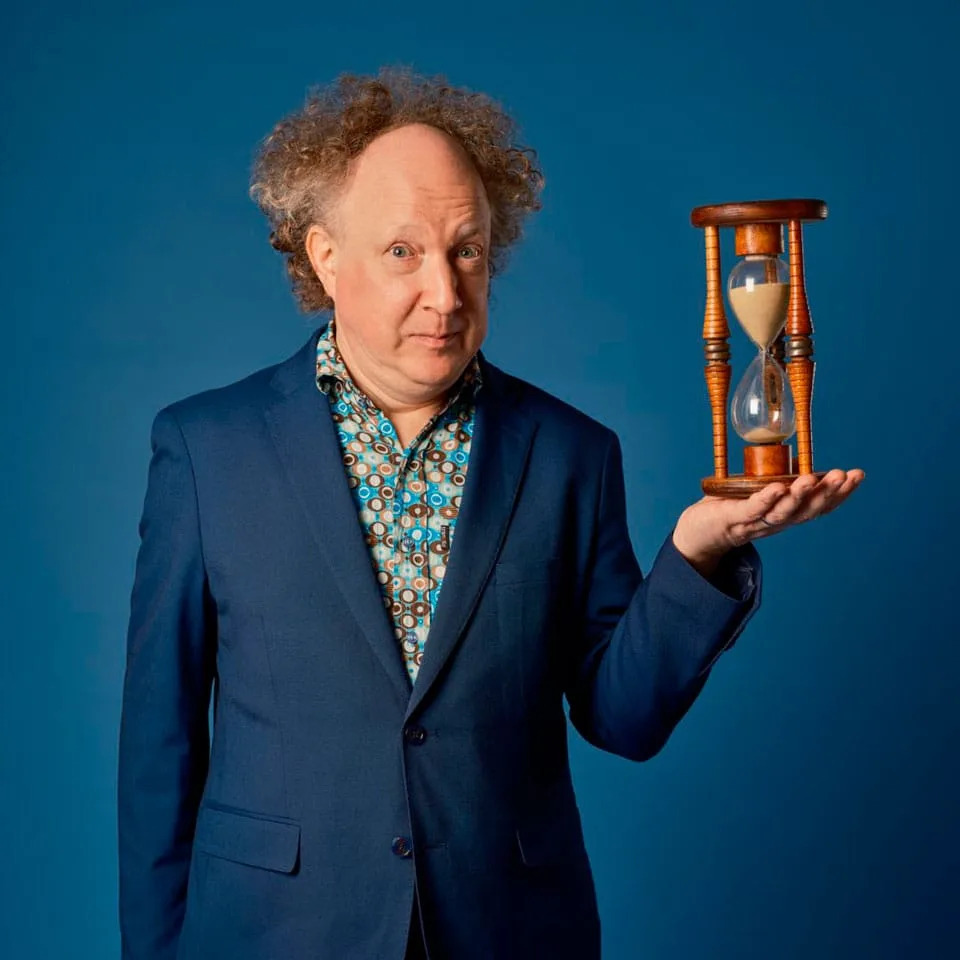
408,414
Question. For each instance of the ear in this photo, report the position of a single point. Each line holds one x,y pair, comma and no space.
322,251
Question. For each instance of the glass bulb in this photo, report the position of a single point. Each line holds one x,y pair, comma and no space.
762,410
758,289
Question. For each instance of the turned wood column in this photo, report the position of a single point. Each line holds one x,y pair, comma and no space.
716,350
799,350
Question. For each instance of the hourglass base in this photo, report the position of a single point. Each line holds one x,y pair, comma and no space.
740,486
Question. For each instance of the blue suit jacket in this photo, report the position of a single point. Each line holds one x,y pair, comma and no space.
329,785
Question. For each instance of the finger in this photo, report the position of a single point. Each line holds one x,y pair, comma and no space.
822,498
805,484
808,498
854,479
794,502
790,509
762,502
832,490
750,522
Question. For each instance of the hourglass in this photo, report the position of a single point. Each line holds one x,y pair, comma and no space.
769,300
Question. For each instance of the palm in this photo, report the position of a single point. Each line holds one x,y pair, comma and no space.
713,525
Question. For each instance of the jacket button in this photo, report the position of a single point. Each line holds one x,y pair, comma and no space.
414,734
401,847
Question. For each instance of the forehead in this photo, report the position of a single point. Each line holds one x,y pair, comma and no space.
414,172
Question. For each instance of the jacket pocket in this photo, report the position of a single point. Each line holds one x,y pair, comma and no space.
527,571
247,838
551,831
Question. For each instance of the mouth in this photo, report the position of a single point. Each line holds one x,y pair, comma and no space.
429,340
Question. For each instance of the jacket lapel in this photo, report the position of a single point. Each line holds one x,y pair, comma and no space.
498,457
304,434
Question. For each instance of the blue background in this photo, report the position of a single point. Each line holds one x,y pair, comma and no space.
807,806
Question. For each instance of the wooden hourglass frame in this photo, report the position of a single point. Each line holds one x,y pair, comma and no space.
759,232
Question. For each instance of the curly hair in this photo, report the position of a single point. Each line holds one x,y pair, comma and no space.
305,160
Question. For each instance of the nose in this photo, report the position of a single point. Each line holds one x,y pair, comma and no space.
441,288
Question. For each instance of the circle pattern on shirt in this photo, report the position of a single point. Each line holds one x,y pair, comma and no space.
407,501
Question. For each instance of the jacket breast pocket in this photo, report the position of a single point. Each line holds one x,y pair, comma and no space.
271,844
529,615
509,572
528,595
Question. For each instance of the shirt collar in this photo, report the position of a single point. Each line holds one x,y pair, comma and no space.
330,368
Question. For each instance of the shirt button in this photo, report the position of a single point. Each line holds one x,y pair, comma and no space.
414,734
401,846
407,542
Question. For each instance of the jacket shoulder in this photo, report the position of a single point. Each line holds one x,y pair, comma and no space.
234,403
224,403
558,418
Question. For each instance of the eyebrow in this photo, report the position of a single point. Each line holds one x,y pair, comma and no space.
468,229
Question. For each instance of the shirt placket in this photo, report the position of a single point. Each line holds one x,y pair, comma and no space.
407,537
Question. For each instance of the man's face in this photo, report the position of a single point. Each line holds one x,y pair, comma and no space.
406,263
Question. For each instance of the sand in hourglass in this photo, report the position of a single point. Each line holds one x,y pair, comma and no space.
761,310
763,435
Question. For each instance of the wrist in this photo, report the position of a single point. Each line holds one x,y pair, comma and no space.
704,560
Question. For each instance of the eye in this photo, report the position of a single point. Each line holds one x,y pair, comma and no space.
469,251
399,251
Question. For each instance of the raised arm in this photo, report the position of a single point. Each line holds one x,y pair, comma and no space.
644,646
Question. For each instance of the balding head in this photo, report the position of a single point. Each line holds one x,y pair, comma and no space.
405,259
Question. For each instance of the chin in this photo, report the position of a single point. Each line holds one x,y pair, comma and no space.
439,372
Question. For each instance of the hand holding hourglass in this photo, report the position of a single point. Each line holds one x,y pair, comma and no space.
768,298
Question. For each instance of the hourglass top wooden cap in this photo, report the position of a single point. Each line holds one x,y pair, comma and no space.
757,211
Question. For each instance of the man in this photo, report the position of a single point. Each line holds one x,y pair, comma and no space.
392,561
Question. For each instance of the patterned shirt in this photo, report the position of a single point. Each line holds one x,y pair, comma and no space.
407,500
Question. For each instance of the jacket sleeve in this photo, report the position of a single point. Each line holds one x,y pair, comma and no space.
164,736
645,646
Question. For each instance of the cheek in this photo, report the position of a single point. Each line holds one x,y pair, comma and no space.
478,334
367,294
474,294
475,288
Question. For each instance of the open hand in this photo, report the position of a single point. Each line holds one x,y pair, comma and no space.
710,527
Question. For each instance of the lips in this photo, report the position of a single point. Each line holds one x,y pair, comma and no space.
434,341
